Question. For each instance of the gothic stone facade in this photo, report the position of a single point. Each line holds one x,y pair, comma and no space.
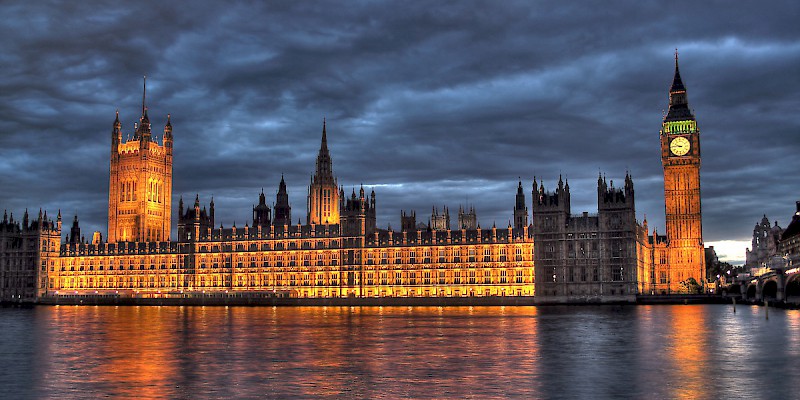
305,261
588,257
28,252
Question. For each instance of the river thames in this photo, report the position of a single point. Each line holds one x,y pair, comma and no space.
682,352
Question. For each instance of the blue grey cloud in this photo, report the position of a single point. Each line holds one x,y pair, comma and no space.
431,104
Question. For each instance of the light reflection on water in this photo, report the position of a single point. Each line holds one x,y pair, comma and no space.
682,352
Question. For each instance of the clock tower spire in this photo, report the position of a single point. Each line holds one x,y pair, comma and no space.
680,157
678,102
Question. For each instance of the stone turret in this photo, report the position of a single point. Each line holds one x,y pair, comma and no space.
195,223
520,209
75,232
283,211
440,220
261,212
467,218
408,221
358,214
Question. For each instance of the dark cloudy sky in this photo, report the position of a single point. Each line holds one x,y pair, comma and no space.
428,103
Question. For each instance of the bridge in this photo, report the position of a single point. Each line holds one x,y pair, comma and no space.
777,282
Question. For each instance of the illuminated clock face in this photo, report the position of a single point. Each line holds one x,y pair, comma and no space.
679,146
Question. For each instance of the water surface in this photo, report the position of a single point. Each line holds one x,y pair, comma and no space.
681,352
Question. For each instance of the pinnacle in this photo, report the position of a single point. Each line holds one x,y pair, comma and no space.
677,82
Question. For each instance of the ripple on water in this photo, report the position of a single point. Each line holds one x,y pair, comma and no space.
400,352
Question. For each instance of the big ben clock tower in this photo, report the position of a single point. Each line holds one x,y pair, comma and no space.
680,156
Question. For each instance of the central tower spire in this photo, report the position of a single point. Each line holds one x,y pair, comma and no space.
324,136
324,170
144,94
143,130
323,193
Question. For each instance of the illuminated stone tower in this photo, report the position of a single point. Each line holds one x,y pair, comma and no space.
680,156
140,185
323,193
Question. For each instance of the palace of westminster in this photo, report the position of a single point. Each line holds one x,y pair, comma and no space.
340,251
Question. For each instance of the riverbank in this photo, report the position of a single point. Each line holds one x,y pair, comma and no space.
239,300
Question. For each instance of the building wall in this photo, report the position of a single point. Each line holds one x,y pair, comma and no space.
27,251
789,244
588,256
305,264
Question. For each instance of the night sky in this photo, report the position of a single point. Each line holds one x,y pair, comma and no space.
428,104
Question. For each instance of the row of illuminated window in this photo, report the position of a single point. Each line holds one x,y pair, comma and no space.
268,246
444,252
406,256
401,278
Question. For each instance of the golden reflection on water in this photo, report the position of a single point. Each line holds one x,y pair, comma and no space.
148,352
688,351
123,350
793,319
142,360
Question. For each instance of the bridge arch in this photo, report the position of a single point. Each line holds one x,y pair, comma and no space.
793,287
770,290
751,292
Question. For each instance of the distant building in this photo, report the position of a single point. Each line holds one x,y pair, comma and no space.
712,263
790,238
764,244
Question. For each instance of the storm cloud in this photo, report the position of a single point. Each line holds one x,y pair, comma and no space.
428,103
